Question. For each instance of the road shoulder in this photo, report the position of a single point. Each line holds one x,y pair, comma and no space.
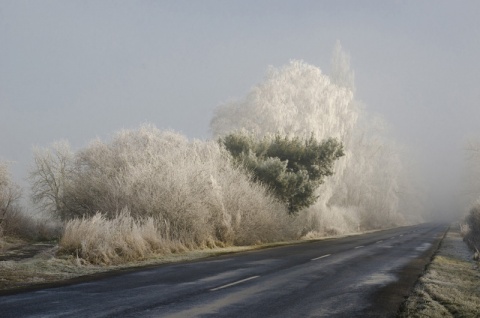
449,287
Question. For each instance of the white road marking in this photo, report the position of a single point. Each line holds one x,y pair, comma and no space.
423,247
380,241
359,246
314,259
234,283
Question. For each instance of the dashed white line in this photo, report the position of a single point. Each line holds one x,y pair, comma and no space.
234,283
323,256
360,246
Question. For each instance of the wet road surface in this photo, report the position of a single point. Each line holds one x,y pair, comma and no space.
359,276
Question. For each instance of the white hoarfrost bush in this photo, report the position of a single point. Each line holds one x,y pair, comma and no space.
190,188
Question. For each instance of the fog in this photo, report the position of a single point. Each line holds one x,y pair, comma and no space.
84,69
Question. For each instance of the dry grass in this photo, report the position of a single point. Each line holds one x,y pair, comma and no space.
101,241
98,240
451,285
37,271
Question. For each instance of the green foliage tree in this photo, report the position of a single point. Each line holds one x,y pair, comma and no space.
291,167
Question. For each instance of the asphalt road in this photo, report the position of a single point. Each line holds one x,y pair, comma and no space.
359,276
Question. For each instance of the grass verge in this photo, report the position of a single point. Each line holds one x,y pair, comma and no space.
450,286
47,269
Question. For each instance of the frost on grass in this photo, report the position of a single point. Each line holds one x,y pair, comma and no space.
449,287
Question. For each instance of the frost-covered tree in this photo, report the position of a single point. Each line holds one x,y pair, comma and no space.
471,228
292,168
472,175
50,175
298,100
373,177
9,194
341,73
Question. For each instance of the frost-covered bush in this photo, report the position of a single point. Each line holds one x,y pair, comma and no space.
190,186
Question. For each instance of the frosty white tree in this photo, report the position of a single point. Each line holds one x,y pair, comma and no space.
49,177
473,172
472,219
299,100
296,100
9,193
341,74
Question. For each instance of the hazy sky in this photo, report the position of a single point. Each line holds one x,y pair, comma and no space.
76,70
